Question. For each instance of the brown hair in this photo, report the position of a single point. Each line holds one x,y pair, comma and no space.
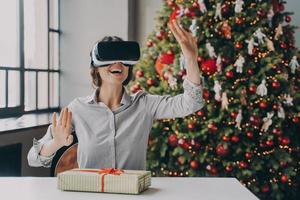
97,81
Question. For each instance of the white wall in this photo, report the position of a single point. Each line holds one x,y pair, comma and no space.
293,6
82,23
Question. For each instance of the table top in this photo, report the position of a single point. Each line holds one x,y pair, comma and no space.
173,188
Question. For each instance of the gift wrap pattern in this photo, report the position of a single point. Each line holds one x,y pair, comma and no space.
105,180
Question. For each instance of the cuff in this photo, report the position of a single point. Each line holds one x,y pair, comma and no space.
193,90
44,160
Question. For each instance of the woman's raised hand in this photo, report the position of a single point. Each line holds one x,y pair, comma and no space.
186,40
61,130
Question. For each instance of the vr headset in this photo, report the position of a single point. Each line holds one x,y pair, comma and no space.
106,53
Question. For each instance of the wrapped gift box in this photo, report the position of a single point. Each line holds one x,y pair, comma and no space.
104,180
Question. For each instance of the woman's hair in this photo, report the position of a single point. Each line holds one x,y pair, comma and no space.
95,75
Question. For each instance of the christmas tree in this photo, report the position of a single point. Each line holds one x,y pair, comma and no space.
249,127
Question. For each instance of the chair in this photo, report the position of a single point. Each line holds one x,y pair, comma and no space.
65,158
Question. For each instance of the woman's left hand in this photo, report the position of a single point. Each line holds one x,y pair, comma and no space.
187,42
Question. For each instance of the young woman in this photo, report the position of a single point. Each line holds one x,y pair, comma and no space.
112,127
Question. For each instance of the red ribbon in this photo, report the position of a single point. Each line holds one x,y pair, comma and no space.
103,171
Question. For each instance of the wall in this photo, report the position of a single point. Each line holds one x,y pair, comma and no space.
82,23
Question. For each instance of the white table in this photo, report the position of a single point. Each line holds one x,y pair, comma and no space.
169,188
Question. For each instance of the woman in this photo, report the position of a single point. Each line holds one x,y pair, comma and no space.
112,127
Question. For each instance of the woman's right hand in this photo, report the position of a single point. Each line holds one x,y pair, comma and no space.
61,130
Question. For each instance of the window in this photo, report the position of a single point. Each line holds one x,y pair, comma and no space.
29,57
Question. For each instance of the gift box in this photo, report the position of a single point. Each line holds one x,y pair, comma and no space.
104,180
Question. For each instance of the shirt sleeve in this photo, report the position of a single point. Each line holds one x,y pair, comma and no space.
181,105
34,158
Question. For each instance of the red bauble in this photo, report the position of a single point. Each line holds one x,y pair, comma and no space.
265,189
288,19
238,20
276,84
167,58
159,35
183,143
233,114
191,126
277,131
135,88
212,127
248,155
280,7
275,106
229,74
250,72
296,120
196,145
194,164
225,8
263,105
284,178
285,141
225,138
150,43
261,13
195,5
238,45
269,143
139,73
283,45
174,14
252,89
229,168
212,169
249,134
243,164
200,59
181,73
200,113
150,82
235,139
255,120
209,67
205,94
222,150
173,140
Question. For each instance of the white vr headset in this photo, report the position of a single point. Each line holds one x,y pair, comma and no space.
107,53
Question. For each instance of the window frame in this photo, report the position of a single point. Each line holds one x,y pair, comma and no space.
20,110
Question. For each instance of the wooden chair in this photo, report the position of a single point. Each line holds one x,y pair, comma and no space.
65,159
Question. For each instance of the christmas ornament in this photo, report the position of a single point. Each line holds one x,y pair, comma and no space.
206,94
211,50
243,164
267,121
288,19
149,43
193,27
135,88
229,168
238,45
167,58
255,120
194,164
278,32
259,35
280,112
212,127
252,89
270,44
191,126
139,74
183,144
296,120
238,119
229,74
251,45
202,6
243,97
208,67
212,169
263,105
249,134
262,89
222,150
235,139
218,13
225,102
226,29
294,65
217,90
288,100
285,141
173,140
238,6
276,84
250,72
284,179
150,82
239,63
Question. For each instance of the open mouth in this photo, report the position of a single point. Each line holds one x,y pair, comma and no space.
116,71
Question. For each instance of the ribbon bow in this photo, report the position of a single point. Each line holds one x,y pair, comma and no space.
103,171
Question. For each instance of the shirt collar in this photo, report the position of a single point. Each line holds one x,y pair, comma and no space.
92,99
